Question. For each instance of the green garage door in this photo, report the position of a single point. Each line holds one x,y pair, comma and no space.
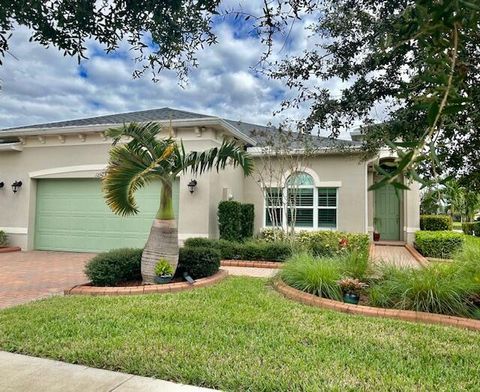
72,216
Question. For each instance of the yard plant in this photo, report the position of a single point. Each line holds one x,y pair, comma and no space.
145,158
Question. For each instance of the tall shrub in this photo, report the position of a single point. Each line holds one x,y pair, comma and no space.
435,222
246,222
229,220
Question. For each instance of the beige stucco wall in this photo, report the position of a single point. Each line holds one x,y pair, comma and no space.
86,157
348,171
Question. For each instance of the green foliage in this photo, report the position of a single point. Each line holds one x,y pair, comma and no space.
247,213
436,289
438,244
253,250
229,220
176,29
435,222
115,266
3,239
163,268
198,262
318,276
471,228
321,275
272,234
329,243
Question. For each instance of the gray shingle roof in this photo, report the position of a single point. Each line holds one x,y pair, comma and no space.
254,131
139,116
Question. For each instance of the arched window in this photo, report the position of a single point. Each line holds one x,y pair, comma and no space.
301,204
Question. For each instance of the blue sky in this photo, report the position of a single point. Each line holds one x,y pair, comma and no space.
41,85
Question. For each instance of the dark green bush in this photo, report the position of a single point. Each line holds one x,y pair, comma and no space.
229,220
198,262
251,250
3,239
247,212
435,222
115,266
439,244
468,227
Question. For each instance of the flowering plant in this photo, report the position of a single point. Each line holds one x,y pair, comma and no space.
351,285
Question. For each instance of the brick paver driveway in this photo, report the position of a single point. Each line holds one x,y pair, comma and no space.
25,276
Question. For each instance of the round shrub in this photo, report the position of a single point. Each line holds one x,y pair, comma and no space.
198,262
3,239
115,266
438,244
435,222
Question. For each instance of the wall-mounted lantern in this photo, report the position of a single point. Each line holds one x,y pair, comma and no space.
2,184
191,185
16,186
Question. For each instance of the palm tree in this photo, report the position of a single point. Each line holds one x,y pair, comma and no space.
147,157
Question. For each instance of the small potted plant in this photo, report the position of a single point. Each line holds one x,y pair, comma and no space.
351,289
376,234
163,272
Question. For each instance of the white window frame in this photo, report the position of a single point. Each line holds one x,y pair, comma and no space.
316,207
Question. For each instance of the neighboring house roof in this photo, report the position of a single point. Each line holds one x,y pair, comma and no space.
250,132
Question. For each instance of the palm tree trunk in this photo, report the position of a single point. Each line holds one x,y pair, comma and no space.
163,239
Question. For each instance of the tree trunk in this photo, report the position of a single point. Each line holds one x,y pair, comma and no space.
163,239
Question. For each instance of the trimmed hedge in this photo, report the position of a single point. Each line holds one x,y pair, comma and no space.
115,266
438,244
471,228
435,222
247,212
250,250
229,219
198,262
3,239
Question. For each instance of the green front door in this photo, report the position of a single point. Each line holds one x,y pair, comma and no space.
387,213
72,215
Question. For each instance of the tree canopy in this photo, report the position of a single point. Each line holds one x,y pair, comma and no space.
417,60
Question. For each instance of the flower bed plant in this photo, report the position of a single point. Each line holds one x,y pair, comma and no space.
3,239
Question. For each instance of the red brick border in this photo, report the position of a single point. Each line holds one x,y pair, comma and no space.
8,249
87,289
406,315
252,264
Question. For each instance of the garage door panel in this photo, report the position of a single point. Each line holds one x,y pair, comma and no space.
72,215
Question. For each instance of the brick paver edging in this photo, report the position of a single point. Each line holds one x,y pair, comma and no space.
251,264
86,289
406,315
8,249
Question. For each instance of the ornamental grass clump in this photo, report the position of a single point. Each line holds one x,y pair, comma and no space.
438,288
318,276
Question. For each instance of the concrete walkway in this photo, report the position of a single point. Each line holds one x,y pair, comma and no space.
396,255
253,272
21,373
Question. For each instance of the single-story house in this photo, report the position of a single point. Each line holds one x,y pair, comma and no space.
51,196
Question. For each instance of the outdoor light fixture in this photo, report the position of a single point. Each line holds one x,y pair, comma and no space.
2,184
16,186
191,185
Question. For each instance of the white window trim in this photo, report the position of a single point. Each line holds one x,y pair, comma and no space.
315,207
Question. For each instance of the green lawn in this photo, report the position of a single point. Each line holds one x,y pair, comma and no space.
470,239
242,335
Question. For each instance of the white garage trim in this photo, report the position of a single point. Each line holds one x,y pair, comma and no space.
95,169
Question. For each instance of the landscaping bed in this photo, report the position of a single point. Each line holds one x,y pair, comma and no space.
241,335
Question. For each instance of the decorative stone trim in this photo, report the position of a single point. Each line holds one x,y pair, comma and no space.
87,289
9,249
416,255
406,315
251,264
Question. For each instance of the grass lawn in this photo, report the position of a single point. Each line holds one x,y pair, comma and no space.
242,335
474,241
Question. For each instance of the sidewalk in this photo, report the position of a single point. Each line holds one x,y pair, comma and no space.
21,373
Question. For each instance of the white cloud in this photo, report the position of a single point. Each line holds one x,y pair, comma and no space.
43,85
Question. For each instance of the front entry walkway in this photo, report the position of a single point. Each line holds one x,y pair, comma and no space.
26,276
395,254
21,373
